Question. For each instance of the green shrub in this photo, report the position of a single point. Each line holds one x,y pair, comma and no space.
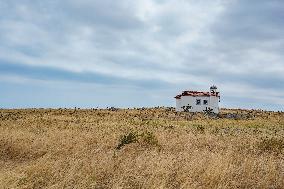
127,139
145,138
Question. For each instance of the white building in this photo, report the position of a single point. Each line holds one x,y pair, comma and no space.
195,101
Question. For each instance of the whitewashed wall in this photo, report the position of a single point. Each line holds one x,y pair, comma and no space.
214,103
191,101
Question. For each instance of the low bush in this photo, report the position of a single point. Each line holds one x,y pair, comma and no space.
131,137
145,138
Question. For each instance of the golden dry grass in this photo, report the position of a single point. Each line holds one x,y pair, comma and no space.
94,149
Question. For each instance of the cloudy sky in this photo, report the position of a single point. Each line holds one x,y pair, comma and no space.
89,53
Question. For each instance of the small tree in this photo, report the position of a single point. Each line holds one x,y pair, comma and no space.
186,108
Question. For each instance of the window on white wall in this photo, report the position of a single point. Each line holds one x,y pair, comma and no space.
198,102
205,102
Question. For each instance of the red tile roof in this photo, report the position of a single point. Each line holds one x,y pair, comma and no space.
196,93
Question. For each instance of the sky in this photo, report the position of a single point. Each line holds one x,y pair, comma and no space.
94,53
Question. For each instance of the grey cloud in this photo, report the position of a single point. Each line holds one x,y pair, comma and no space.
251,22
115,15
250,25
51,74
245,29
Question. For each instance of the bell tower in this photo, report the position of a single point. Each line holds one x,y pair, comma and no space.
213,89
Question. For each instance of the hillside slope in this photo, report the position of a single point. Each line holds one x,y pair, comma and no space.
146,148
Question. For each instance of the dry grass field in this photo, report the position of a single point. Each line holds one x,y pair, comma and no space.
140,148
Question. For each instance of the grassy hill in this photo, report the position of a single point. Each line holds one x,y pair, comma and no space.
140,148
